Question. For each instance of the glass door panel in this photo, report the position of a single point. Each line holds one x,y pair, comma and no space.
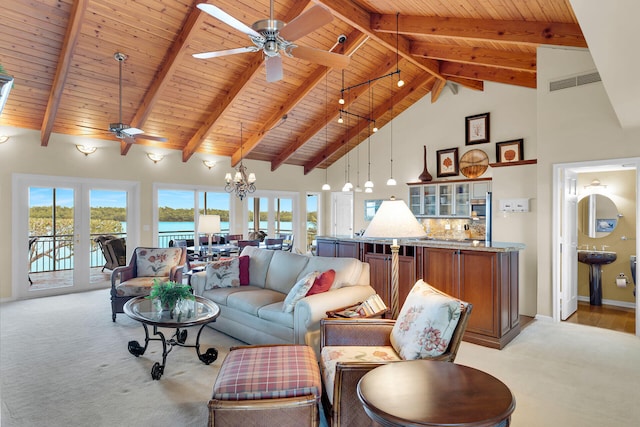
430,199
462,199
446,199
52,233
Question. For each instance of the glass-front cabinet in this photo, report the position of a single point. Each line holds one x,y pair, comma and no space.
445,199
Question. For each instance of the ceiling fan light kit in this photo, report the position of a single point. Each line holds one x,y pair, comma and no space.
119,129
276,38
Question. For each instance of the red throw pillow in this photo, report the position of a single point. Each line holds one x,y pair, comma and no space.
244,270
322,283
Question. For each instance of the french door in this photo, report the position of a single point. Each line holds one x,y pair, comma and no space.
53,230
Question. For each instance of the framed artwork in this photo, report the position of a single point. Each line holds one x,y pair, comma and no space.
447,162
477,129
370,208
509,151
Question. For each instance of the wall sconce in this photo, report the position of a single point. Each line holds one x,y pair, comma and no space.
595,185
209,163
85,149
4,138
155,157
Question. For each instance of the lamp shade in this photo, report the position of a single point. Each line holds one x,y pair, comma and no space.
394,220
209,224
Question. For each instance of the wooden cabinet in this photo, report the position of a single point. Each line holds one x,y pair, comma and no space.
484,277
378,256
338,248
488,280
447,198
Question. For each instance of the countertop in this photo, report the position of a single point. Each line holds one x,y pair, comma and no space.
472,245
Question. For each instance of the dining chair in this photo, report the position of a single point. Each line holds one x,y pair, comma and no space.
273,243
243,243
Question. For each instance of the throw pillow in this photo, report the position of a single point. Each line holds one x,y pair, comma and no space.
425,324
299,291
157,262
323,282
244,270
223,274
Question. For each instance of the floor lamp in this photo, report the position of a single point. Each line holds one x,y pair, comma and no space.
394,220
209,225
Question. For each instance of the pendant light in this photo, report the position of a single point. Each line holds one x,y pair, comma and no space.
358,189
400,81
326,186
347,184
368,185
391,181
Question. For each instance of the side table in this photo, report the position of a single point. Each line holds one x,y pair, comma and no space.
435,393
144,311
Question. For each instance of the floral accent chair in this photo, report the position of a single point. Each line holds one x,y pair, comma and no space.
430,326
146,264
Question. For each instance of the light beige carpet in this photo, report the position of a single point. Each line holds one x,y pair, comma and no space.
64,363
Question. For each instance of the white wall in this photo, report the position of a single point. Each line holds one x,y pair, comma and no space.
24,154
442,126
574,125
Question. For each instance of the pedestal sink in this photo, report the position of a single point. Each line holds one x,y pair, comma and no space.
596,259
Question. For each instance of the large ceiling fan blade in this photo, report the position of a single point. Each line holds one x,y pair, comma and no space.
322,57
307,22
151,138
273,65
227,19
218,53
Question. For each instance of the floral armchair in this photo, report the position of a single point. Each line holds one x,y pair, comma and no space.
146,264
430,326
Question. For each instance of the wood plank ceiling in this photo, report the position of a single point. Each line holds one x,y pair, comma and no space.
61,54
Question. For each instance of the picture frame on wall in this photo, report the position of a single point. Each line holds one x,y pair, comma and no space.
509,151
477,129
447,162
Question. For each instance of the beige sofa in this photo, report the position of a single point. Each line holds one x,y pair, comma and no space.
254,313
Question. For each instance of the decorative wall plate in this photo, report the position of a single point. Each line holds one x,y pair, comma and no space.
474,163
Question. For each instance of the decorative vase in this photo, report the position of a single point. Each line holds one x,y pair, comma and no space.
425,176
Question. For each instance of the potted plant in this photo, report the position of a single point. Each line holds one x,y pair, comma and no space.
169,293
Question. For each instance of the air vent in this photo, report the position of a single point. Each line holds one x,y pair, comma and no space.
580,80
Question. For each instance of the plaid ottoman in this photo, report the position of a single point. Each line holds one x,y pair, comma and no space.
275,385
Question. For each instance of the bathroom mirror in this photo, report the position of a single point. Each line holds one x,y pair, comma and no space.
597,215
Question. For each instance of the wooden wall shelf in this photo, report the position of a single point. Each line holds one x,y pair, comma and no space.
519,163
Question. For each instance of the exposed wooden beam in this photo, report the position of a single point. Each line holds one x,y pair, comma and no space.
354,40
166,72
407,89
220,106
438,86
475,55
535,33
468,83
386,66
60,78
481,72
359,18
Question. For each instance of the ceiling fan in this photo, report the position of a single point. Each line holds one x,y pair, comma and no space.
121,130
275,38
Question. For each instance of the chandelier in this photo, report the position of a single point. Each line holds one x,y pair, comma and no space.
241,183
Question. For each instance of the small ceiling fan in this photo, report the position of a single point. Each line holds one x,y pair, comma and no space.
275,38
121,130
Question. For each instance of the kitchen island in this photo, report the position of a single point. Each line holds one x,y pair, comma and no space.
486,275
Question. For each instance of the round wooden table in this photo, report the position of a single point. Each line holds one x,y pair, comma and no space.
432,393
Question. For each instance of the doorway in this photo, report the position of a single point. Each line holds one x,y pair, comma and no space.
341,214
567,192
56,219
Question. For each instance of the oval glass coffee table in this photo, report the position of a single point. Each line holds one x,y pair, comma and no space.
198,312
435,393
